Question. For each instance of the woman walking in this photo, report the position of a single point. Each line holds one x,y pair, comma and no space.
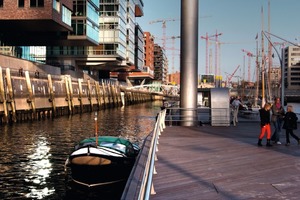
290,124
277,116
265,124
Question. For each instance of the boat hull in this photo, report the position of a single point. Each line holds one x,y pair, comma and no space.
109,170
108,162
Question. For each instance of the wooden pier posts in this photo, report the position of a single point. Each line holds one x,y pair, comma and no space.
25,98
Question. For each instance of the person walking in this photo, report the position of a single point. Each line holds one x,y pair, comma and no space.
277,118
235,107
290,124
264,114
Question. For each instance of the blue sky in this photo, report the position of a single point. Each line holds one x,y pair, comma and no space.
239,21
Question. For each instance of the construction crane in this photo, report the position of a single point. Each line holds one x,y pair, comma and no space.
164,26
207,38
282,44
249,54
231,75
173,51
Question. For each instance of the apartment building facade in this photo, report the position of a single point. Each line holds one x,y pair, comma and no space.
92,36
160,64
148,52
291,65
34,22
117,39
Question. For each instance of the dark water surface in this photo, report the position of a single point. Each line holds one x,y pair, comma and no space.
32,154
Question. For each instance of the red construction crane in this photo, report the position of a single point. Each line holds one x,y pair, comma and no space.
207,38
163,21
249,54
231,75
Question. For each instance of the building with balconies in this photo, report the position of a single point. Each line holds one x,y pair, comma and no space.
160,64
291,65
26,25
35,22
116,48
291,73
92,36
148,51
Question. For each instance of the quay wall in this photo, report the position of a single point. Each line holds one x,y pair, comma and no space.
28,96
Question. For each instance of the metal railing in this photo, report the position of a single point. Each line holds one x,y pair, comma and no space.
139,185
198,116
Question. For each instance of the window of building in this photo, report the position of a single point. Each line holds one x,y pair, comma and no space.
66,15
56,5
36,3
79,9
78,27
21,3
1,3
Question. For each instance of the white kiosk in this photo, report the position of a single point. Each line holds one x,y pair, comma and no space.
220,107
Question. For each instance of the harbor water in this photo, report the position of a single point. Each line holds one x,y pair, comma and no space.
33,154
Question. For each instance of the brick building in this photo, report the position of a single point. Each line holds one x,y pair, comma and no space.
35,22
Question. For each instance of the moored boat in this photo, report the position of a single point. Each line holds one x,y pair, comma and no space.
102,160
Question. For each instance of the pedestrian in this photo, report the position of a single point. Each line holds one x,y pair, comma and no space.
235,108
277,119
290,124
264,114
36,74
20,71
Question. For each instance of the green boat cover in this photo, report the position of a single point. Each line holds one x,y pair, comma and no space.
125,146
109,139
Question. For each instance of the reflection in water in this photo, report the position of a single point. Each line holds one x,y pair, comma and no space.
39,168
32,155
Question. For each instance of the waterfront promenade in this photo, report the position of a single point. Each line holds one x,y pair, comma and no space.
224,163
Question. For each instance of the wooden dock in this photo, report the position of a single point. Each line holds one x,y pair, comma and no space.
224,163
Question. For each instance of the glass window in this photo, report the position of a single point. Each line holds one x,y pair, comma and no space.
56,5
21,4
36,3
78,27
1,3
66,15
79,9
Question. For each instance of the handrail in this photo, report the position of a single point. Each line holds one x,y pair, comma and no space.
139,185
201,115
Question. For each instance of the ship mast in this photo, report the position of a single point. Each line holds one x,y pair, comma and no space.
257,73
262,61
269,54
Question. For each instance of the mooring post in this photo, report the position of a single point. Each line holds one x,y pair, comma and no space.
80,94
30,99
3,98
11,99
51,95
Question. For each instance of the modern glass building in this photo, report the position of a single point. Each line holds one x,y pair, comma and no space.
116,48
291,64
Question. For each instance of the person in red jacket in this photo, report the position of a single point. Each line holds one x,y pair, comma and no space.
265,124
290,124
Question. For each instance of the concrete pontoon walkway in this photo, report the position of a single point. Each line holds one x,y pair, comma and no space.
224,163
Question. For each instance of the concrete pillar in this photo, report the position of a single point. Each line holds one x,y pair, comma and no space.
189,61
